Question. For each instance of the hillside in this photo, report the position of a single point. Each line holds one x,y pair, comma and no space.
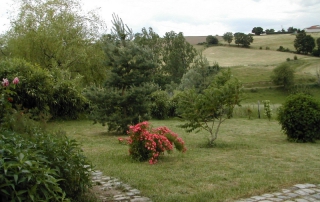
255,65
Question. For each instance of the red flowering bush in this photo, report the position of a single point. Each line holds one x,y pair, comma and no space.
148,144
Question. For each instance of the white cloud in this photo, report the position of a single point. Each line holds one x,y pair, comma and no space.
204,17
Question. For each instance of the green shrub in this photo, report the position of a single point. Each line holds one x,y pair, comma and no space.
299,118
267,48
316,52
66,156
41,166
24,175
283,75
159,104
288,59
42,91
295,57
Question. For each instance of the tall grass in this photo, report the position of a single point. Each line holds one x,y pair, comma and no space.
250,157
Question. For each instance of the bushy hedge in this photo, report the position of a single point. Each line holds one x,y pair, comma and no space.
44,91
41,167
299,118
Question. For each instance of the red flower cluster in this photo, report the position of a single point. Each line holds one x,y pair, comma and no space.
146,143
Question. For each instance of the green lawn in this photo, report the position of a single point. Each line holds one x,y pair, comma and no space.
250,157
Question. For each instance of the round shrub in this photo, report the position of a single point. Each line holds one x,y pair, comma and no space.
299,118
146,143
160,104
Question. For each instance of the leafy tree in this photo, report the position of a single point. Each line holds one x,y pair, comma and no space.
55,34
211,40
177,56
200,75
150,40
124,100
299,118
304,43
214,105
283,75
243,39
292,29
270,31
228,37
257,30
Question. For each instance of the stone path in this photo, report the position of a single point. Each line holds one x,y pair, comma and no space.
297,193
111,189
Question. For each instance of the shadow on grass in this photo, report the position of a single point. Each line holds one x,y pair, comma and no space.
226,145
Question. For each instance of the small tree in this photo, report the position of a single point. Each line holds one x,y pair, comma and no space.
212,40
267,109
257,30
228,37
283,75
214,104
304,43
299,118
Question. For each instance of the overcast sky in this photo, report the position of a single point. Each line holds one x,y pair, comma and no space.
200,17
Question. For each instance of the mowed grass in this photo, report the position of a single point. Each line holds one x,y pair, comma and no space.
250,157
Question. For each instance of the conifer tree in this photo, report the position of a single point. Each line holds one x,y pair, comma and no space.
124,100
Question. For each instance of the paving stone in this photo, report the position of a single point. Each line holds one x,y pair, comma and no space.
300,186
309,191
300,192
292,195
301,200
317,196
286,191
258,197
309,198
268,195
276,199
283,197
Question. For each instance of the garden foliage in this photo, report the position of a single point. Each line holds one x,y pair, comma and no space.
36,165
42,91
299,118
146,143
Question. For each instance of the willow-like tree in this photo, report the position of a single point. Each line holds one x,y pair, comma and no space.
56,34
